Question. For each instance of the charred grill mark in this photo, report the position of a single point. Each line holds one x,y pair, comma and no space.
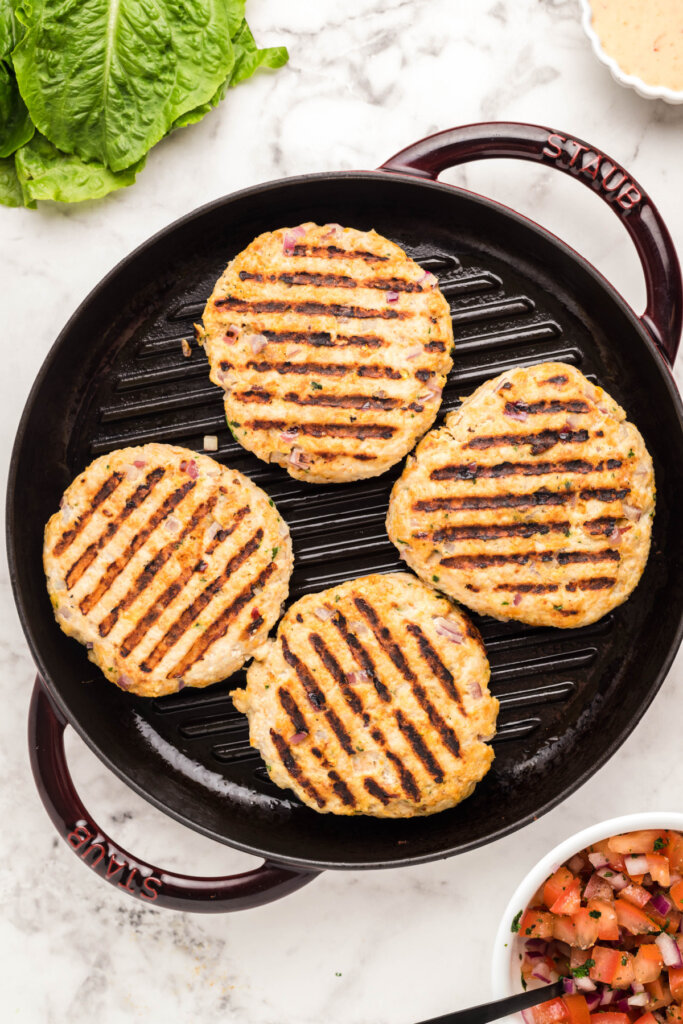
605,494
378,371
292,768
358,430
360,654
410,786
320,369
424,375
420,748
558,379
528,588
494,531
323,339
337,673
446,734
189,614
566,612
69,536
341,789
342,401
384,638
474,471
591,583
435,664
219,627
603,525
255,624
253,395
316,696
480,501
540,442
546,406
311,309
116,568
291,709
435,346
332,252
91,552
524,557
374,789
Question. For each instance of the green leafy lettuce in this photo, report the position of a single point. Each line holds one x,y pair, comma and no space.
102,81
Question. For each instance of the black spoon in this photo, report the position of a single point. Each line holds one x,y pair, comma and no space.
500,1007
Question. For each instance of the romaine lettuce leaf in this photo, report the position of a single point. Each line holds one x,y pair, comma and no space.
106,79
10,189
16,127
46,173
10,29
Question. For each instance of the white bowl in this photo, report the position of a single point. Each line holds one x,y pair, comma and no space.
505,969
649,92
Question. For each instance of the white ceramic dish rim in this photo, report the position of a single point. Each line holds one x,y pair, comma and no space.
504,970
650,92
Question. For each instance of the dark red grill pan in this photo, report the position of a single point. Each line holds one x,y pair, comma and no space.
116,375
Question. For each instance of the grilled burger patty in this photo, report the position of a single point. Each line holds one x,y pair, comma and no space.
169,567
533,502
332,347
372,699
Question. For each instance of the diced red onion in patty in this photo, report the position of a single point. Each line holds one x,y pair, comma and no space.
299,737
140,463
190,467
516,414
392,296
124,682
290,239
289,435
414,352
257,343
353,678
323,613
444,627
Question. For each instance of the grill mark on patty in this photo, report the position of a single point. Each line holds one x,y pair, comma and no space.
115,568
316,697
557,379
341,789
341,401
360,654
219,627
420,748
603,525
357,430
139,495
292,768
68,536
484,501
176,630
607,494
528,588
321,369
496,530
332,252
473,471
323,339
374,789
390,647
311,309
524,557
546,406
292,710
336,671
591,583
320,280
407,778
435,346
435,664
540,442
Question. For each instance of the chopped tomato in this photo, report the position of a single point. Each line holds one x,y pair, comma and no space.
615,859
633,919
556,885
585,928
648,963
636,895
553,1011
674,1013
638,842
667,923
608,926
676,983
658,866
676,894
564,930
659,993
626,973
609,1018
569,900
606,964
536,924
675,852
647,1018
577,1009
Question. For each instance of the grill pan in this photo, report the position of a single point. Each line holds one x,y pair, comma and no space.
116,376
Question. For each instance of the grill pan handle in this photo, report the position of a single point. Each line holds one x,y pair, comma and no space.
110,861
630,202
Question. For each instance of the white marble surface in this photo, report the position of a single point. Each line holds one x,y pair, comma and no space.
366,77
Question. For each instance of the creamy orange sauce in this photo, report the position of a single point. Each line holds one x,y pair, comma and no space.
645,37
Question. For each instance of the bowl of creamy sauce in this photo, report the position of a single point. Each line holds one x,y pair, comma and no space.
641,42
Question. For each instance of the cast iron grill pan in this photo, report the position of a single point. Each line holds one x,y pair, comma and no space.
117,376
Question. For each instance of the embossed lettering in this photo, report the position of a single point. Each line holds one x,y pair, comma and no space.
608,182
593,164
579,149
126,885
114,866
99,854
149,892
556,142
78,836
628,199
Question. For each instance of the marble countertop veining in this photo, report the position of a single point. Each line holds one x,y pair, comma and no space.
366,78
